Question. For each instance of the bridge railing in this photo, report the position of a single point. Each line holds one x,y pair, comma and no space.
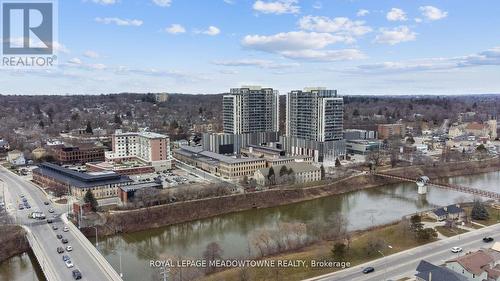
41,256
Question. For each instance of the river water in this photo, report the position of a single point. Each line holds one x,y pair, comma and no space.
362,209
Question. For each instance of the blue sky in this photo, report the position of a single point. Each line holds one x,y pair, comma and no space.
209,46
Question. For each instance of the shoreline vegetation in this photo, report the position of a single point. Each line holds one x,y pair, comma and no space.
128,221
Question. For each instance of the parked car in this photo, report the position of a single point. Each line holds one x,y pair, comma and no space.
77,274
69,248
456,250
46,203
69,264
488,239
59,236
65,229
368,270
65,257
60,250
54,227
51,210
50,221
64,241
21,207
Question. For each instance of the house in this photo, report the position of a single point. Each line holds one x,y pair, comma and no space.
299,172
453,212
427,271
480,265
39,153
16,158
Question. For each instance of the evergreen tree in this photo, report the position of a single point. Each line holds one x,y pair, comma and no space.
89,198
41,124
337,163
89,130
283,171
322,168
117,120
271,176
479,211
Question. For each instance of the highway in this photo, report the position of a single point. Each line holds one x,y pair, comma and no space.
45,235
403,264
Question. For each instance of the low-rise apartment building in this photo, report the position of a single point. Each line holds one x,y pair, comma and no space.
232,168
78,155
299,172
152,148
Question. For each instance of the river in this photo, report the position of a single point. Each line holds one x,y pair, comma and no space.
362,209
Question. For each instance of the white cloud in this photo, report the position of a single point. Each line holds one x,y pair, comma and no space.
325,55
396,14
229,1
119,21
75,61
175,29
212,31
489,57
105,2
268,64
418,20
91,54
432,13
340,25
277,7
163,3
362,12
396,35
317,5
294,40
302,45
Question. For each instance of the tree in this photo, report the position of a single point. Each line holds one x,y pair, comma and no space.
337,162
479,211
117,119
339,251
283,171
212,252
374,157
89,198
271,176
89,130
416,223
355,113
410,140
41,124
322,169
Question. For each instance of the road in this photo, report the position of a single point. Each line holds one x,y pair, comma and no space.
403,264
82,260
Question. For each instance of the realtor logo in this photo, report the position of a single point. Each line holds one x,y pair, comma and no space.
28,33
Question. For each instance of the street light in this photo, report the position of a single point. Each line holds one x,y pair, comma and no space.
385,271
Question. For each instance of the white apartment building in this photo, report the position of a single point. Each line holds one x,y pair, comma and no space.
148,147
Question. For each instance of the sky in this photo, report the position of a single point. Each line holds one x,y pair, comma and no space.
359,47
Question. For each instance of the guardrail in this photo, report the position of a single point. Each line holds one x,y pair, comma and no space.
92,251
40,255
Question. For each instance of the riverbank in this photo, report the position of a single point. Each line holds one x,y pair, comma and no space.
164,215
13,241
393,235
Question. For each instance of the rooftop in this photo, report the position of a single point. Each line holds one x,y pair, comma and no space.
475,262
197,151
149,135
297,167
79,179
426,270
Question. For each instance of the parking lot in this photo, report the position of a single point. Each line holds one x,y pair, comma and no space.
172,178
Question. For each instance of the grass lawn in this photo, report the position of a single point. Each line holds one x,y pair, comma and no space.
450,232
493,219
321,251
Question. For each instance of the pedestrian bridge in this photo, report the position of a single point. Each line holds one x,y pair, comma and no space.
455,187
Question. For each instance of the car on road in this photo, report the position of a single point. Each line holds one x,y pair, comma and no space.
77,274
59,236
65,257
488,239
65,229
456,250
64,241
54,227
69,248
46,203
51,210
60,250
369,269
69,264
50,221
